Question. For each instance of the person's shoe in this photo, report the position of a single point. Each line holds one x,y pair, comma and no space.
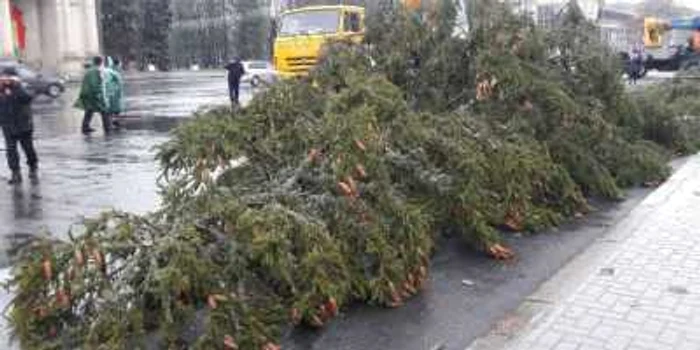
16,178
88,131
34,175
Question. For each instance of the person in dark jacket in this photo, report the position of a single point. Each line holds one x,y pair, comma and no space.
636,65
17,125
235,73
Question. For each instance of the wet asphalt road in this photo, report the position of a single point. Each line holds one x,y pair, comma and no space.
84,175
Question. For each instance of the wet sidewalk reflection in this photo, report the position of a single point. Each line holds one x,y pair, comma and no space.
85,175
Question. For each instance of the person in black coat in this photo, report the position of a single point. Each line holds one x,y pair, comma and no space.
636,65
17,125
235,73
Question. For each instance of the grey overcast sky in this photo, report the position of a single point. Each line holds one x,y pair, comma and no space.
695,4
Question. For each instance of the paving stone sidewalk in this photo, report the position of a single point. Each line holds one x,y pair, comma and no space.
638,289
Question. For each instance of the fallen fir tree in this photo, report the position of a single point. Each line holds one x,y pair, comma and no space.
333,190
671,112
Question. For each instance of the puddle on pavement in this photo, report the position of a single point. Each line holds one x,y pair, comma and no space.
82,176
85,175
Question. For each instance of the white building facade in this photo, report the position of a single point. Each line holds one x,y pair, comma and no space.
56,35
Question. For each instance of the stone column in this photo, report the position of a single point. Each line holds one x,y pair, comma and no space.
80,33
73,37
50,29
32,18
91,27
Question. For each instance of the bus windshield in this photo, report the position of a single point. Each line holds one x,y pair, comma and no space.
312,22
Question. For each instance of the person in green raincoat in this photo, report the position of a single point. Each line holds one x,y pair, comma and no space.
114,90
92,98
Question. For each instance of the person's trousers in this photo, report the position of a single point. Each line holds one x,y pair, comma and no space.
24,139
106,120
234,89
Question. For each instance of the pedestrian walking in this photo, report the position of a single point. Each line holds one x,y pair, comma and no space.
17,124
636,65
114,90
235,73
92,98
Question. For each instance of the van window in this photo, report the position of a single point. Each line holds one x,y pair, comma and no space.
352,22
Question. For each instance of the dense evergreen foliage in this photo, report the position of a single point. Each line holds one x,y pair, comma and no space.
156,19
211,32
333,189
137,31
120,27
179,33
